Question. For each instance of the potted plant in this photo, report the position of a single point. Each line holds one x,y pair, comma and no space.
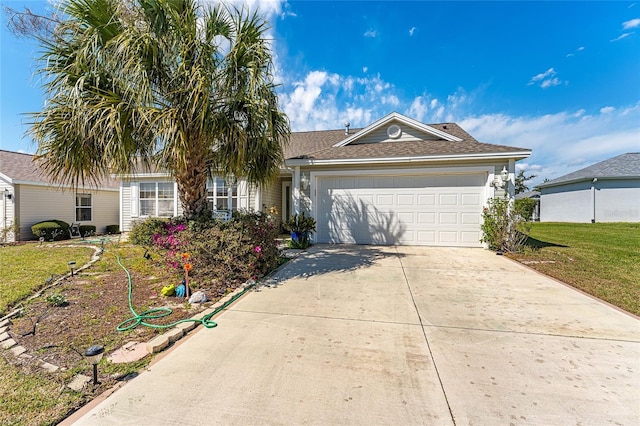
300,227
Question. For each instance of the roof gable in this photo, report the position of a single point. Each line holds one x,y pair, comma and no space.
622,166
396,127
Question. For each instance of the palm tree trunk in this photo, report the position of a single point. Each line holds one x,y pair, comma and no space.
192,187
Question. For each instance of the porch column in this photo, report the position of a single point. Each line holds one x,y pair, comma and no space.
295,190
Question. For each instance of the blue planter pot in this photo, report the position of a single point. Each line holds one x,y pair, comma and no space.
299,236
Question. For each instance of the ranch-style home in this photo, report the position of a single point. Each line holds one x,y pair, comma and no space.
396,181
608,191
28,197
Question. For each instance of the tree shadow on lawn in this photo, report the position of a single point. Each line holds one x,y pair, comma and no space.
536,244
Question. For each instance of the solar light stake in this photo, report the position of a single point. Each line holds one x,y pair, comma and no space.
71,265
94,355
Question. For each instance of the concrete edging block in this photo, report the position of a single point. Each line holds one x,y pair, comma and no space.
157,344
174,335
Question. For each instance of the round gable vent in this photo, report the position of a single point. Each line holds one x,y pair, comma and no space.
394,131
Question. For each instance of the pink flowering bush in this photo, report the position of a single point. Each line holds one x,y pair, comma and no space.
225,253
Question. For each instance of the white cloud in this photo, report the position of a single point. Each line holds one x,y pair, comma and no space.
621,36
365,69
550,82
570,55
562,142
607,109
545,79
412,30
542,76
370,33
418,109
633,23
581,48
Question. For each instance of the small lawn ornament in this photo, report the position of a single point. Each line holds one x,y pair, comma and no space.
198,297
168,290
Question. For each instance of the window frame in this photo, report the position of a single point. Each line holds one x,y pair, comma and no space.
231,193
79,207
160,188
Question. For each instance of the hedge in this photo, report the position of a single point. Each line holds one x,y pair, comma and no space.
51,230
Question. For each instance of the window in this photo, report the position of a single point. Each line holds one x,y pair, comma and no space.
84,208
157,199
221,196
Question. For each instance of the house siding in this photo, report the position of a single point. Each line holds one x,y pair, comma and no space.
611,200
7,211
408,134
60,205
127,218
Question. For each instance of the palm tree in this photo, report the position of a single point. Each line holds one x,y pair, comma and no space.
169,84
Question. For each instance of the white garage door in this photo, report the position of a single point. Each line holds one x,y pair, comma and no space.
433,210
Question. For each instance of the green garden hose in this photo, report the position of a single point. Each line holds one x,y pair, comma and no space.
155,313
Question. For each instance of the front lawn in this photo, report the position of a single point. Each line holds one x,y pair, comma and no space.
602,259
26,267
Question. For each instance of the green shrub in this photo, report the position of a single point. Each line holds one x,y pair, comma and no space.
525,207
87,230
51,230
503,229
143,231
56,299
113,229
301,227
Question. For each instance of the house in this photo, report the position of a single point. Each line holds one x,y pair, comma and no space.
608,191
28,197
396,181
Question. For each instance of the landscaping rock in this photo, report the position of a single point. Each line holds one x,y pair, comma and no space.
4,336
130,352
79,382
3,329
18,350
198,297
49,367
8,343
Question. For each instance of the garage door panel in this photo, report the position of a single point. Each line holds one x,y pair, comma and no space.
426,237
400,209
428,218
470,218
448,218
406,200
448,199
470,199
426,199
384,200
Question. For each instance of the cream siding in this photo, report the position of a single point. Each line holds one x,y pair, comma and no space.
7,211
408,134
39,203
129,196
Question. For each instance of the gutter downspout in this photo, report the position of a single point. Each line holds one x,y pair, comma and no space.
593,199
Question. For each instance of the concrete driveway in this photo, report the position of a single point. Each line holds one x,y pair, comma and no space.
397,335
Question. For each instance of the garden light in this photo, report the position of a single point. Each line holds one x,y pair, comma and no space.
94,355
71,265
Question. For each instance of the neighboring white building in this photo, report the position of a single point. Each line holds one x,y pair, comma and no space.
608,191
396,181
28,197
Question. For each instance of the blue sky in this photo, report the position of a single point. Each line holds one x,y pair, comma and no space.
561,78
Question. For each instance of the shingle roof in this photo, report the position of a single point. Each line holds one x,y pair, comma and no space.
23,168
622,166
318,145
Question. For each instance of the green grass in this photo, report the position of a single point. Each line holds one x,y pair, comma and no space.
26,267
602,259
27,399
